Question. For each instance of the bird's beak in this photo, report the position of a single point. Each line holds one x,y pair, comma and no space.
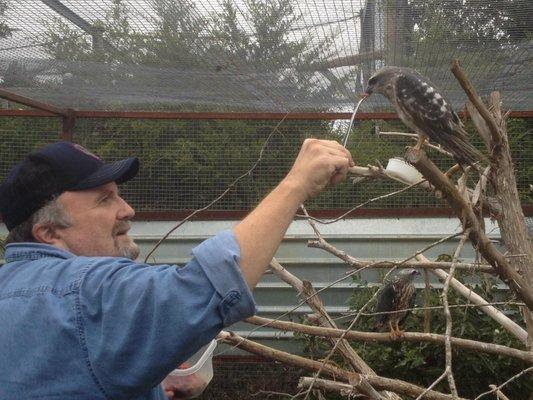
366,93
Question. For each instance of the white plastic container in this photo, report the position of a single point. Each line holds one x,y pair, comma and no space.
192,377
403,171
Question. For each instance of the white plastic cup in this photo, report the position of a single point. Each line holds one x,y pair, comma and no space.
190,382
403,171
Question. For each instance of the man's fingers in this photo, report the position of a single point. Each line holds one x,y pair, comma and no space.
330,144
338,149
341,164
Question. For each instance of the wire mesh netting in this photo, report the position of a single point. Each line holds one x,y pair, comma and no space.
187,163
250,55
282,55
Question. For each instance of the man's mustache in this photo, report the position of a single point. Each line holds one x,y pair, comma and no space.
121,227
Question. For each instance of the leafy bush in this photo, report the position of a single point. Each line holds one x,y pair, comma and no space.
423,363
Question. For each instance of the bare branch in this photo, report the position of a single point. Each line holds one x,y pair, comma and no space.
435,383
354,262
324,222
343,389
220,196
415,137
309,295
525,371
378,382
476,100
508,324
412,337
448,333
469,220
499,393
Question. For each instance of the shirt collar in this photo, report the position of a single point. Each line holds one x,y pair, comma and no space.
33,251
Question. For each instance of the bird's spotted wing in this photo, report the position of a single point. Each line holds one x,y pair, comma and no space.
409,302
386,301
427,109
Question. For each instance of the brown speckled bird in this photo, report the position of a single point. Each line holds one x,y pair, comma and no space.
426,111
396,295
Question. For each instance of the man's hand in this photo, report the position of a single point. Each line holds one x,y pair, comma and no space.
183,387
319,163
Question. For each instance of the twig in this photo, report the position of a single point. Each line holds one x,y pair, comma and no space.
325,320
448,333
231,186
278,269
525,371
476,100
469,220
415,137
375,172
352,261
427,313
435,383
508,324
469,305
343,389
412,337
323,222
499,393
376,293
489,204
309,295
379,382
269,393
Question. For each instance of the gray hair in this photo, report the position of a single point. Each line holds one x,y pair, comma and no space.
52,214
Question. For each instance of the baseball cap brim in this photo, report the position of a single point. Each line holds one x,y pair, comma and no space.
118,171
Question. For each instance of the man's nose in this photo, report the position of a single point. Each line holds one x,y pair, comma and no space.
126,211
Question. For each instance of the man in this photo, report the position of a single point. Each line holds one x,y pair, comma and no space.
80,319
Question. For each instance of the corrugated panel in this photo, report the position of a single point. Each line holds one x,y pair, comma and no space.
372,238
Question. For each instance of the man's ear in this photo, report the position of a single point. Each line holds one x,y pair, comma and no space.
45,233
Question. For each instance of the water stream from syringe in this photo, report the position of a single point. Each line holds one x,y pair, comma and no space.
347,135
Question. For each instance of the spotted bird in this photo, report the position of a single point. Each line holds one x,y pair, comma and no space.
397,295
422,107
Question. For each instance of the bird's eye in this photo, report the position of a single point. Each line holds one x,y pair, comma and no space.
372,81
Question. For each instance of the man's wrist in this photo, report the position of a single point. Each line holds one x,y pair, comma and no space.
294,189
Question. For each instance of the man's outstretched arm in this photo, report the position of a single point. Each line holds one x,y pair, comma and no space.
319,163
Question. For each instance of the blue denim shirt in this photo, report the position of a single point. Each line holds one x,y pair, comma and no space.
109,328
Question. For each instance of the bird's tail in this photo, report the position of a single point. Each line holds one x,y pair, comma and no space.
464,152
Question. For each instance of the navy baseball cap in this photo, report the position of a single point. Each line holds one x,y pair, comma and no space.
56,168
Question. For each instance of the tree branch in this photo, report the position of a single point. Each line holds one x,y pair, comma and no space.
354,262
507,323
378,382
469,220
476,100
308,294
343,389
413,337
448,333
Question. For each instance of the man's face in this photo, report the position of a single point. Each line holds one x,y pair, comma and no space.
100,223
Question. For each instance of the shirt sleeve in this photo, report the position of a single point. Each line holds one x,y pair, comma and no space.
138,322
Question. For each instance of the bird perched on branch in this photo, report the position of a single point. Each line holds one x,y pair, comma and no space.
397,295
422,108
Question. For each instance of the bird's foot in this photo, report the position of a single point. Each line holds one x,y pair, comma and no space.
420,143
396,333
